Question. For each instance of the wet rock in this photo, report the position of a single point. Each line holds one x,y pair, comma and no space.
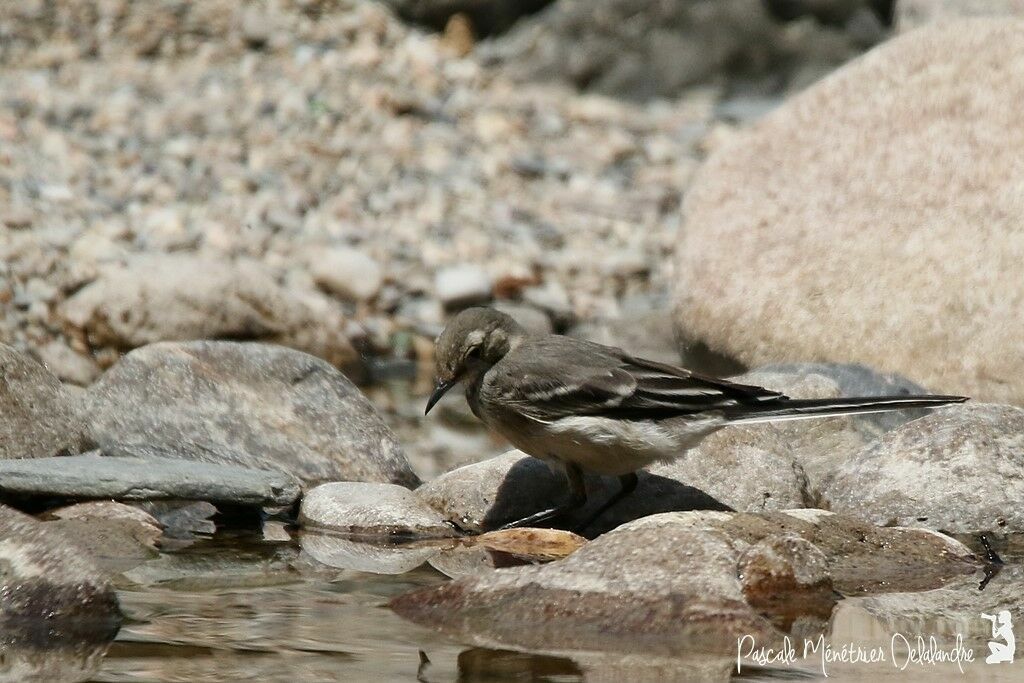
115,535
252,405
181,519
651,586
363,555
347,273
487,494
127,478
37,416
178,297
911,14
862,558
786,579
846,226
461,286
957,470
45,579
369,509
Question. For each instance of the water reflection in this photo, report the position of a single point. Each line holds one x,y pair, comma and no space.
53,649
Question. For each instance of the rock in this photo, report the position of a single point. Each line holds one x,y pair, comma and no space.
785,578
363,555
476,555
178,297
533,320
641,49
347,273
371,509
46,580
117,536
862,558
37,416
181,519
845,221
461,286
911,14
253,405
66,364
487,494
653,586
957,470
818,447
747,468
126,478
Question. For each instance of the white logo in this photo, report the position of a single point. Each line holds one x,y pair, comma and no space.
1002,629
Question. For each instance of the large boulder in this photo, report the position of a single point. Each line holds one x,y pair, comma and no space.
959,470
255,405
177,297
875,218
38,417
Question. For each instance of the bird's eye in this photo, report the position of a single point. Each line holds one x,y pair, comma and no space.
474,352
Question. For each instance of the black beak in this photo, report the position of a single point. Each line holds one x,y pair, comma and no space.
440,390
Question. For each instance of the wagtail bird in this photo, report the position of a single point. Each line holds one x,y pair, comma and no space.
595,408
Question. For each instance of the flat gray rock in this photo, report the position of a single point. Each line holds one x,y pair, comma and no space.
371,509
95,476
253,405
38,417
959,470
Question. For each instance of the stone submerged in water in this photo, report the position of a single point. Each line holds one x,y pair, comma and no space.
253,405
957,470
123,478
38,417
371,509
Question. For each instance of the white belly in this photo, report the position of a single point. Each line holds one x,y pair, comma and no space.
613,447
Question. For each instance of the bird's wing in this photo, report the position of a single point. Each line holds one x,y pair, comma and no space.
589,379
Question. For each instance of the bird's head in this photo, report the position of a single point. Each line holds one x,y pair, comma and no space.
472,342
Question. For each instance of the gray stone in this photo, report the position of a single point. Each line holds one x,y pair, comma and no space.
487,494
645,334
253,405
347,273
37,416
67,364
850,236
371,509
45,579
958,470
116,536
862,558
460,286
532,319
340,552
125,478
653,586
181,519
177,297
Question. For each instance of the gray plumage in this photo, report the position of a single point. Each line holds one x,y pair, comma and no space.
596,408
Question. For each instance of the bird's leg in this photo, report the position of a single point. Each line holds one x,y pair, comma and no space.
628,484
577,499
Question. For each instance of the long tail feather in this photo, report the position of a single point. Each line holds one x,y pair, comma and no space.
805,409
